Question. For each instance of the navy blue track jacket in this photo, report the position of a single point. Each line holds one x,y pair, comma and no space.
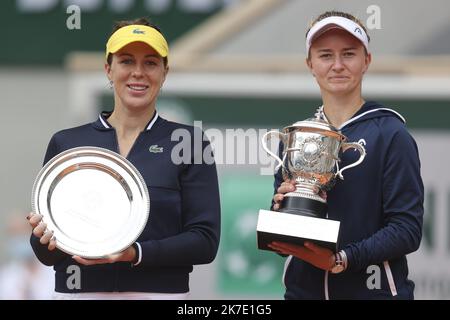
380,206
184,221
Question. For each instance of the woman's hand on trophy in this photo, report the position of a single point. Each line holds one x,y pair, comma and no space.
289,186
318,256
40,230
128,255
285,187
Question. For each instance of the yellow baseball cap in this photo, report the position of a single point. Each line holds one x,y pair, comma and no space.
137,33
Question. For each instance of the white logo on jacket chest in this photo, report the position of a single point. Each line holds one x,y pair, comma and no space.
154,148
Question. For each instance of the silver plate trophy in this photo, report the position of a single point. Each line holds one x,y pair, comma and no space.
310,157
94,200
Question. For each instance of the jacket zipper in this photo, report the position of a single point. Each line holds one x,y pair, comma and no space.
390,278
116,266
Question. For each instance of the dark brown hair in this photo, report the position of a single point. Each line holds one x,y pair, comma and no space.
139,21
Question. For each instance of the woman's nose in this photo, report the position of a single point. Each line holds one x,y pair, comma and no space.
337,64
137,72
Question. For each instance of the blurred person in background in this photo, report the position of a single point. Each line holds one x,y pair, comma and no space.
184,227
23,277
380,202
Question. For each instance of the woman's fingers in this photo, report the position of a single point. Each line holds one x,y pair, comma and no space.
90,262
34,220
52,244
46,237
286,187
278,198
39,230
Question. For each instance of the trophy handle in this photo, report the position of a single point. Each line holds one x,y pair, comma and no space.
264,145
357,146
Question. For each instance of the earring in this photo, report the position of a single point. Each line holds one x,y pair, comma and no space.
111,84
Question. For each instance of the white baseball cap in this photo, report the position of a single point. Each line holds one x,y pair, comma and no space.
336,22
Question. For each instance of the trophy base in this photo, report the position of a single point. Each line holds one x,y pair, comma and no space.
303,206
295,229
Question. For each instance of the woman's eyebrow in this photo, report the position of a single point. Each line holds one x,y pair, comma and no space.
125,54
324,50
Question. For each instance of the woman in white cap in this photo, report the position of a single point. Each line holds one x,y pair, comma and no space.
183,228
380,202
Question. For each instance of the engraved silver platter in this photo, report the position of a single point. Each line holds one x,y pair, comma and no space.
95,201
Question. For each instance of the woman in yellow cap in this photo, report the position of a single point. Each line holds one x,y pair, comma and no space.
380,202
183,229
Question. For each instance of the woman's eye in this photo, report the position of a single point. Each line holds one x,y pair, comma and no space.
150,63
126,61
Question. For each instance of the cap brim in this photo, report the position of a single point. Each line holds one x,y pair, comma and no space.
325,29
336,22
137,33
161,51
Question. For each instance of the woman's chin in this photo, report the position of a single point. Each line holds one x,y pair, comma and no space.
137,104
339,89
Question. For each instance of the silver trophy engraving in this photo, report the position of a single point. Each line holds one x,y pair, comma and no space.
310,157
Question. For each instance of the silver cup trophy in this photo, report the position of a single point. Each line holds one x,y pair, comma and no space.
310,156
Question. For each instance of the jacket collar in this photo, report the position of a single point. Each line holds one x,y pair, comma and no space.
368,110
103,124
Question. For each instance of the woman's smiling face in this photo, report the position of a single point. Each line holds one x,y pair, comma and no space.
137,72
